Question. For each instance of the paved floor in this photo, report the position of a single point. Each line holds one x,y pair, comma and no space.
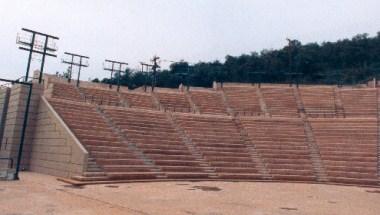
39,194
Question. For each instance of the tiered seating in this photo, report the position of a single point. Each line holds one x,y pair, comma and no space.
99,96
211,145
139,100
104,145
154,134
318,101
280,101
243,100
208,102
173,101
359,102
348,149
219,141
282,145
66,91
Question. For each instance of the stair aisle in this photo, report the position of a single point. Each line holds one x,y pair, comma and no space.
318,102
209,102
282,145
220,143
156,137
243,100
105,147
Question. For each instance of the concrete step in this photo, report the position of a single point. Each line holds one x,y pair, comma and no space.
348,158
235,170
232,164
361,181
228,159
358,175
176,163
112,155
131,175
94,174
166,152
182,169
85,178
241,176
157,157
225,154
352,169
125,161
328,163
294,177
187,175
126,168
300,172
113,149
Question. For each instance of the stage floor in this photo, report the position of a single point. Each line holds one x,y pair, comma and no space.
37,194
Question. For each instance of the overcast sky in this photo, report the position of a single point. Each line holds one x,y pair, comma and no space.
193,30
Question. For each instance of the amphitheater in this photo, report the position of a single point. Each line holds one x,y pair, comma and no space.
93,134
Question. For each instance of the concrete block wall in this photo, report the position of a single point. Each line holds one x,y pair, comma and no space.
49,146
55,150
48,79
14,122
4,98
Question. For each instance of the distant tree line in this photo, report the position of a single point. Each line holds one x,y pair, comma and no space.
347,61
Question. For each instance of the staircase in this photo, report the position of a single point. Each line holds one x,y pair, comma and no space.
123,101
93,172
230,111
313,147
264,108
139,154
191,147
194,107
173,101
156,101
339,109
251,147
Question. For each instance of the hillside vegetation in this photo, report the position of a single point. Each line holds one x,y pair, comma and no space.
347,61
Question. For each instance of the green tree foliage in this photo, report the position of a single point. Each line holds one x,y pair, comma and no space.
347,61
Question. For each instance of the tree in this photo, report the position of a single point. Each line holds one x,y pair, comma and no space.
346,61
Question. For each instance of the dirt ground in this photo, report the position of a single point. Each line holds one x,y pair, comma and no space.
37,194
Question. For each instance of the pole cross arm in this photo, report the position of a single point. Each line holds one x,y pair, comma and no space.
108,69
75,64
76,55
39,52
39,33
117,62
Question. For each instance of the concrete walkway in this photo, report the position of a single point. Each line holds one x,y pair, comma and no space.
37,194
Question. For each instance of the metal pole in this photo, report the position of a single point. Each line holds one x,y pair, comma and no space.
154,67
23,132
80,63
118,78
71,67
30,58
153,79
43,60
260,79
290,49
142,72
111,76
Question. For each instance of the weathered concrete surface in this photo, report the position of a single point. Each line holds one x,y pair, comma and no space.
41,194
